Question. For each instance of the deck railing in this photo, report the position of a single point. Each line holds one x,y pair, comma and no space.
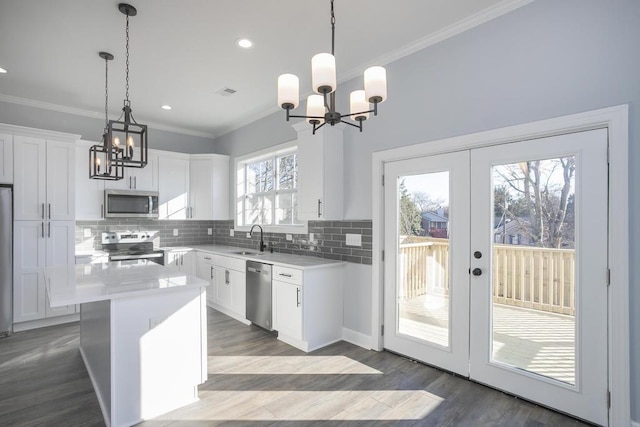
523,276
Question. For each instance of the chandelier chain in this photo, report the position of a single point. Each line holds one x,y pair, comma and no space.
333,30
106,92
127,62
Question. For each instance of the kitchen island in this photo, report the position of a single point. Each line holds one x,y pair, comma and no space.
143,334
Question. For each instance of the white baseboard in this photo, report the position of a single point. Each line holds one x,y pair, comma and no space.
228,313
635,423
42,323
357,338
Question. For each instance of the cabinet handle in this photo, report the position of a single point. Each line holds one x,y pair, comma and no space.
181,259
208,258
135,182
49,210
43,229
130,187
101,211
49,229
211,272
43,212
226,277
298,297
319,203
284,275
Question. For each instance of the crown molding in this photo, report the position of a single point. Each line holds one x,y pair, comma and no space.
95,115
38,133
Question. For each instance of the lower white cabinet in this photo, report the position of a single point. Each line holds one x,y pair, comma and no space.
206,270
181,259
38,244
307,305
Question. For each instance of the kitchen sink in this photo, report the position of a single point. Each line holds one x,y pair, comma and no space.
247,253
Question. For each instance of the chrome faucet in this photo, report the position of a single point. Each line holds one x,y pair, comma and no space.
262,245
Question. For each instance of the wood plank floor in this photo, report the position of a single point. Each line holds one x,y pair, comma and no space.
255,380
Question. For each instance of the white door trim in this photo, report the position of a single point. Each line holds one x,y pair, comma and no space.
616,120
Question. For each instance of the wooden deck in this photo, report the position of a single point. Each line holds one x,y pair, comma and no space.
537,341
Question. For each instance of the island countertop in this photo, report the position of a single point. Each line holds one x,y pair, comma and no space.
78,284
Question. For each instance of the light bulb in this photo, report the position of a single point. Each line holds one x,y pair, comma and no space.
288,91
116,142
315,108
375,84
323,73
358,104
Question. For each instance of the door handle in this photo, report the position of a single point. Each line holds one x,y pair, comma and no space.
319,203
477,254
43,229
135,182
43,212
476,272
226,277
49,210
49,230
298,297
211,272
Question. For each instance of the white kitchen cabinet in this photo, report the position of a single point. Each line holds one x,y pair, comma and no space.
307,305
38,244
208,187
231,281
181,259
287,309
173,185
44,179
90,203
320,172
6,158
206,270
141,179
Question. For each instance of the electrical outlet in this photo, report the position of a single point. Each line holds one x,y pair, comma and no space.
175,232
87,233
354,239
231,232
289,237
209,231
248,235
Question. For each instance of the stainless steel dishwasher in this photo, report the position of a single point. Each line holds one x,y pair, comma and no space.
259,294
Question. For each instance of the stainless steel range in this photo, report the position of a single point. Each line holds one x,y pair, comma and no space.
131,245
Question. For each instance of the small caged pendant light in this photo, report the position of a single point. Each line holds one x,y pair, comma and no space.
125,135
100,163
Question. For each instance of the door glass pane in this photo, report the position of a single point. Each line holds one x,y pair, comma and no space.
423,257
533,308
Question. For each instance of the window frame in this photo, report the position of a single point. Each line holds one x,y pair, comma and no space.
240,179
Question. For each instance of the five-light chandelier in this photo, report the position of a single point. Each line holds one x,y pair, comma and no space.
321,108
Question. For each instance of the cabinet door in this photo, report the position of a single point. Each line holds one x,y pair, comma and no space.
173,187
60,249
172,259
310,180
188,263
221,188
201,189
29,249
90,203
223,286
60,184
287,310
239,292
146,178
6,158
30,179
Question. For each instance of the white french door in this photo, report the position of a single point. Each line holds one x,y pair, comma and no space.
496,267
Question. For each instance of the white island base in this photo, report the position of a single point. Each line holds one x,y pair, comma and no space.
145,349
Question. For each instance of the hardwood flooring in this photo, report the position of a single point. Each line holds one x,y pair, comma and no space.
255,380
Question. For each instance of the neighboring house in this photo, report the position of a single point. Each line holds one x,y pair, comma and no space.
435,224
512,232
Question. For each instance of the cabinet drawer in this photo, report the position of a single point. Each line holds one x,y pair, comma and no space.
205,258
286,274
231,263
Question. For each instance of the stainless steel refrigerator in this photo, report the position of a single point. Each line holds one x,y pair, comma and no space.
6,260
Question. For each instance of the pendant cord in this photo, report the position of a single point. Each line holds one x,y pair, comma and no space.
106,93
127,62
333,30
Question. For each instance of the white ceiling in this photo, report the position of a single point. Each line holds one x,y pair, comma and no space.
182,52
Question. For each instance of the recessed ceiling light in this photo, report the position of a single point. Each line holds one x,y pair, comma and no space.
166,107
3,71
244,43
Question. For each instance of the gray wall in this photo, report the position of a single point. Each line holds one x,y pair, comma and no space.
544,60
91,129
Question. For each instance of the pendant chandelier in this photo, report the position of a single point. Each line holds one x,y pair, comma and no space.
125,135
321,108
100,163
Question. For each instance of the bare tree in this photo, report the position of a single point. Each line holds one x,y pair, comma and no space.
425,202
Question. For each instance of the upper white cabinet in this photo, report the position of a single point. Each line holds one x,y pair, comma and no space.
142,179
173,185
320,172
6,158
44,179
209,187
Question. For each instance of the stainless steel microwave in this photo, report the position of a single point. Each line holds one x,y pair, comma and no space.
130,204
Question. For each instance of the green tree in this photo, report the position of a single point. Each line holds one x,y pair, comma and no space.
410,218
